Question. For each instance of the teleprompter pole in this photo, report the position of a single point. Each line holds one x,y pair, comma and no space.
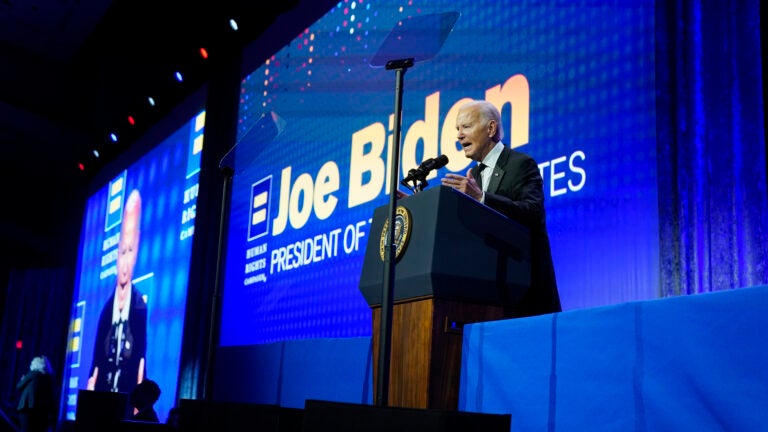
387,292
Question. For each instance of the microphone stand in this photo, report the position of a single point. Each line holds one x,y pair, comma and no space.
419,183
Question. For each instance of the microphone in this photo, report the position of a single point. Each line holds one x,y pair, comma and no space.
421,172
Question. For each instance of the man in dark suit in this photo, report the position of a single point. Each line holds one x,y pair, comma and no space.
510,183
120,346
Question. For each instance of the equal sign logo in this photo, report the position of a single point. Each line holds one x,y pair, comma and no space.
260,192
115,196
76,335
196,145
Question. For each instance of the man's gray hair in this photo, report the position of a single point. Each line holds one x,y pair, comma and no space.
41,364
488,112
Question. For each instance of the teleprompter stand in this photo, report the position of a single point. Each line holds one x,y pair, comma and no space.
238,158
412,40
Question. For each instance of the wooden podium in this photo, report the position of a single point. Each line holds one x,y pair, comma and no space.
462,263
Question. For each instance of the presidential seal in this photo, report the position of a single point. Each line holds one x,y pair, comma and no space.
402,233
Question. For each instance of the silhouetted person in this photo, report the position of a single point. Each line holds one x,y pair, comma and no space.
120,346
37,403
143,399
174,416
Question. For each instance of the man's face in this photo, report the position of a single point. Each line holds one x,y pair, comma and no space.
474,134
126,256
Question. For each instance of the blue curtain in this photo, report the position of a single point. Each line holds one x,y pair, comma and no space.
711,146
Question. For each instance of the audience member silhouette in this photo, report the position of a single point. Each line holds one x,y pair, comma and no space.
37,401
143,399
172,421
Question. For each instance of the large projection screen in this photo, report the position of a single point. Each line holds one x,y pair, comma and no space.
575,84
166,175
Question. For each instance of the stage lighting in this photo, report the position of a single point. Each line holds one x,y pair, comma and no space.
113,137
179,77
203,53
96,153
151,101
131,120
233,24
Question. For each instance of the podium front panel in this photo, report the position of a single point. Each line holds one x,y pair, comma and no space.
458,249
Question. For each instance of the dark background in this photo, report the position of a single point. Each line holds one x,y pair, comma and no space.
71,72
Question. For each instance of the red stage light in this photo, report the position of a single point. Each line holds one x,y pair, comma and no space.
131,120
203,53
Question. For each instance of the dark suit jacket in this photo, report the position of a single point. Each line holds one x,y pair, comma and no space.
36,392
515,189
134,349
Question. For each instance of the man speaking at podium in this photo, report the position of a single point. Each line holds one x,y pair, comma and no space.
120,346
509,182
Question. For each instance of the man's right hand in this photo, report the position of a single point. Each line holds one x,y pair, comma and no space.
92,379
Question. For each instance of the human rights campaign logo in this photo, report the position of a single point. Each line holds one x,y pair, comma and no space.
115,196
260,192
195,145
